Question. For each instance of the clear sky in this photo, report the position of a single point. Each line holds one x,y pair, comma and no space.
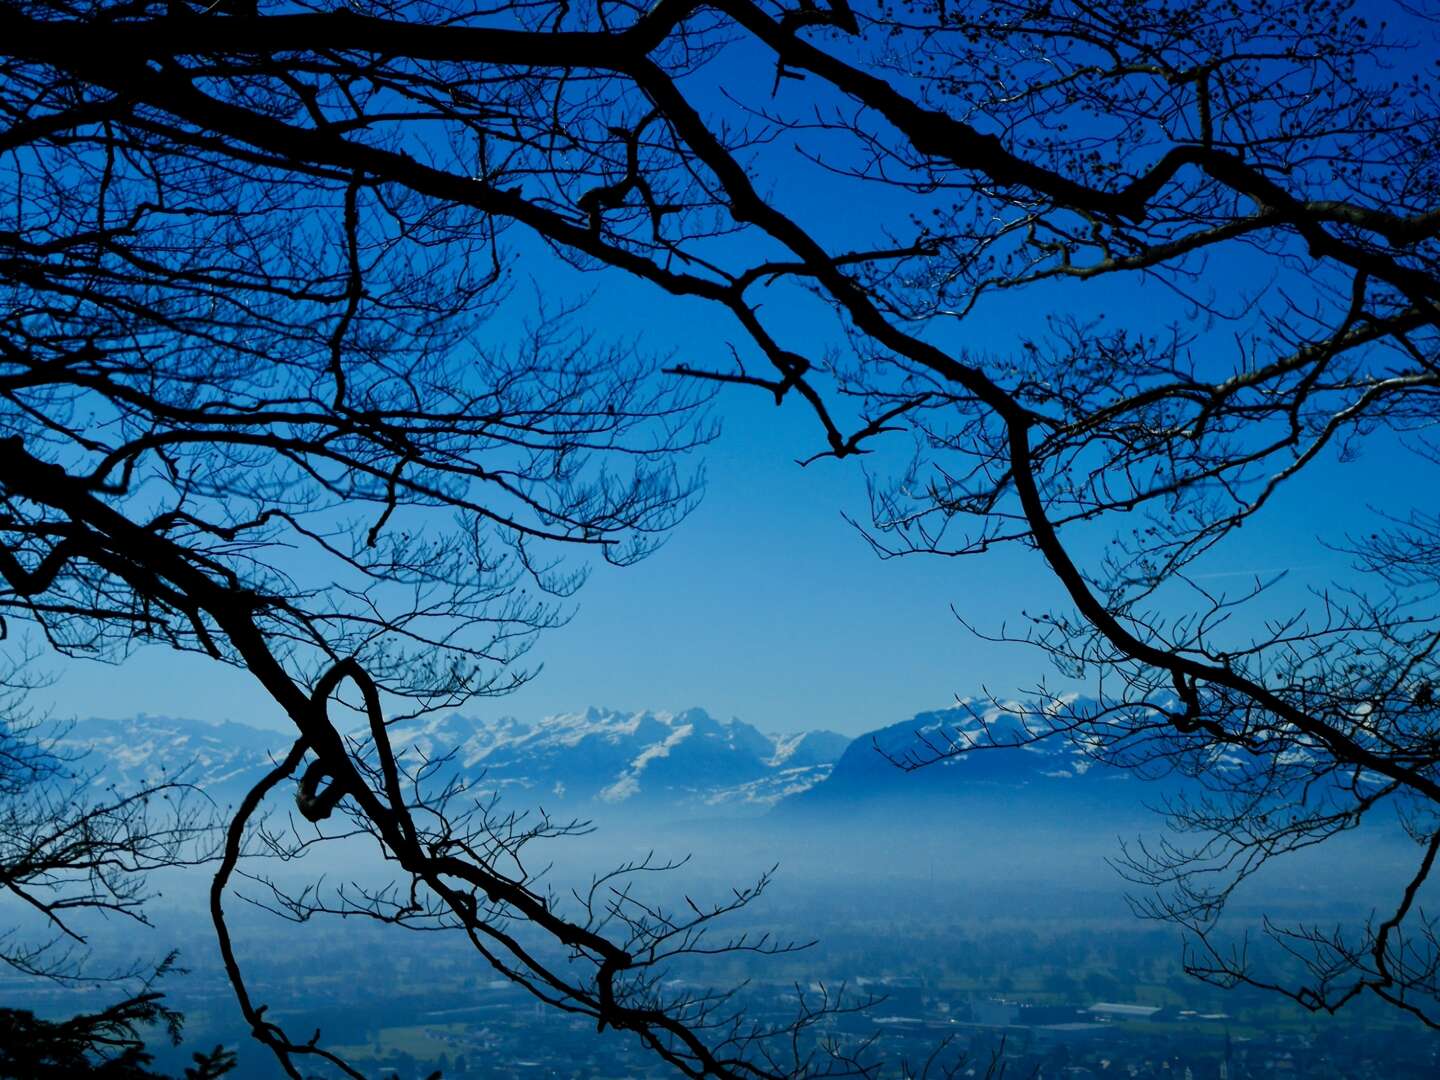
764,604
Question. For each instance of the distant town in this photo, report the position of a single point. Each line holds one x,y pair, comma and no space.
1106,1039
1076,998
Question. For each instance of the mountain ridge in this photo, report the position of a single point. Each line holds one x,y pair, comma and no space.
686,763
1005,769
687,760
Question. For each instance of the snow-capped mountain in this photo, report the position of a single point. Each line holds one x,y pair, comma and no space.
127,754
604,762
686,762
998,779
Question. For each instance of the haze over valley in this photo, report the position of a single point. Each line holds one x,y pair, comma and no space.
973,896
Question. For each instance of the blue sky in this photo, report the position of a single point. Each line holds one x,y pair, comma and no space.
764,604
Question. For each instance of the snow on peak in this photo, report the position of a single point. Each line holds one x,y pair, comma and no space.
685,758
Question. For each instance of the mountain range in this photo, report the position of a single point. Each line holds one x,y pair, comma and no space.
687,764
999,825
904,765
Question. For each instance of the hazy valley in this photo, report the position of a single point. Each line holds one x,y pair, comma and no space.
973,897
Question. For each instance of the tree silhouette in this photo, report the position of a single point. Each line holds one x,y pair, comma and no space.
68,852
249,413
105,1044
250,249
